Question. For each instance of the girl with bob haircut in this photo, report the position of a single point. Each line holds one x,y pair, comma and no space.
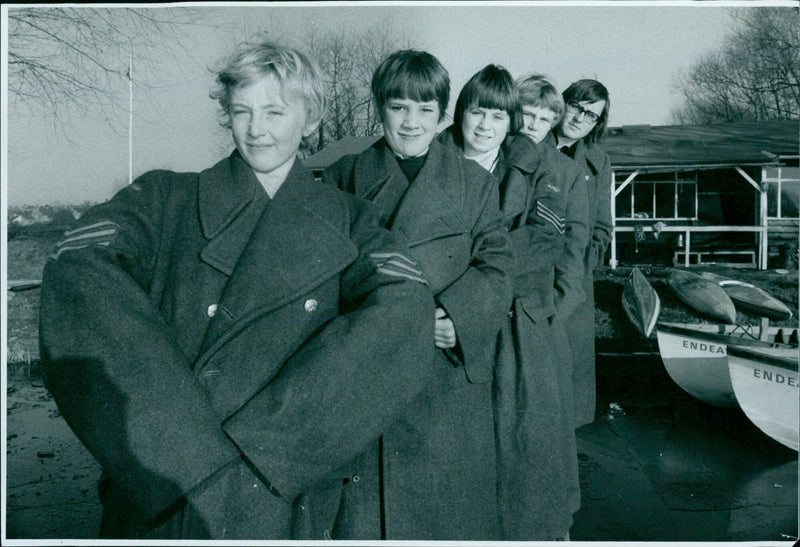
536,450
433,474
212,323
578,136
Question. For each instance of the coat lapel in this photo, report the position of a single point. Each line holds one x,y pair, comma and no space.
230,202
290,250
432,205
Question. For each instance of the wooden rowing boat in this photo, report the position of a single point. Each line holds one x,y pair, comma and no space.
766,387
702,295
750,298
640,302
695,355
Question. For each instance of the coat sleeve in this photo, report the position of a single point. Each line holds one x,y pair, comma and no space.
479,300
339,391
603,224
569,272
112,363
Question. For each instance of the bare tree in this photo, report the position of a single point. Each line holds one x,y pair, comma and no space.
754,76
347,58
78,58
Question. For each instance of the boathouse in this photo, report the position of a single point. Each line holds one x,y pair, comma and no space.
686,195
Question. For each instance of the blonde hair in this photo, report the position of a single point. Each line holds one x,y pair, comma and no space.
295,72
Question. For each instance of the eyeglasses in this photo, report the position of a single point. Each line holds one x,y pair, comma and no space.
588,114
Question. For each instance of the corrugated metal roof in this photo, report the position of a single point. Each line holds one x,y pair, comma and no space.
737,143
657,147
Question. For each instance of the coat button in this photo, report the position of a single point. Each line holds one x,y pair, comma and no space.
356,478
311,305
212,310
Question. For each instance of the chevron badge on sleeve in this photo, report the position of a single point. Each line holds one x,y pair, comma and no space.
99,233
550,216
398,265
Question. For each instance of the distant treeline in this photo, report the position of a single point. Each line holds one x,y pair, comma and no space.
38,220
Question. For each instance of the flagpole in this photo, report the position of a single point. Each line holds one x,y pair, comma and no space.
130,119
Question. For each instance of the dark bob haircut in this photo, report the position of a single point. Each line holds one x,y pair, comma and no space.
590,91
491,87
414,75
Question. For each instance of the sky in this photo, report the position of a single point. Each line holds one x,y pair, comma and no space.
637,49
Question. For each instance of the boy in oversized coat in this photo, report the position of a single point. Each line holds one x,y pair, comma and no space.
223,340
577,136
432,475
537,461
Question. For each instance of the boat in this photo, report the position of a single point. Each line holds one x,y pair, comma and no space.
641,303
695,355
702,295
23,284
750,298
766,387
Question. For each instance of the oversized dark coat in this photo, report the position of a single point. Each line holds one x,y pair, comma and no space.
581,324
538,486
216,350
433,475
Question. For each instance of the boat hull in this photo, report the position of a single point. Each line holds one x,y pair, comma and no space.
698,365
641,303
766,388
696,357
702,295
750,298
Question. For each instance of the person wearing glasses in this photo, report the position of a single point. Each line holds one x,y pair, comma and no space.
432,476
578,135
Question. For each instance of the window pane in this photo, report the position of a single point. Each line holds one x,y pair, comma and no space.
686,200
624,203
790,192
643,199
772,199
772,173
665,200
790,173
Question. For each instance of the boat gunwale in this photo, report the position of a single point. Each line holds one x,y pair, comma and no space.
720,337
775,361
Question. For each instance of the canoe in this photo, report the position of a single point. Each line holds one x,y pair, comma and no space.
766,386
640,302
23,284
702,295
695,355
750,298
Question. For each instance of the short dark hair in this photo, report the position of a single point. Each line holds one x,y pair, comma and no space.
414,75
590,91
491,87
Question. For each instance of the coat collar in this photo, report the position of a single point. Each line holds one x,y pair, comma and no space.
437,187
224,190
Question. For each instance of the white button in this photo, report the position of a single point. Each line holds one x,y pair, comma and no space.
311,305
212,310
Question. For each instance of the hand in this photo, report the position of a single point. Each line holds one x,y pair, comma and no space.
445,332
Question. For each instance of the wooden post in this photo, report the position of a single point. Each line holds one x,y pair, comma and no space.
763,334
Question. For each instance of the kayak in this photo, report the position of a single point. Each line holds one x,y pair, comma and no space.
702,295
750,298
641,303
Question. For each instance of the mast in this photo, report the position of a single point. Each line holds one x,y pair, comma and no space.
130,119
